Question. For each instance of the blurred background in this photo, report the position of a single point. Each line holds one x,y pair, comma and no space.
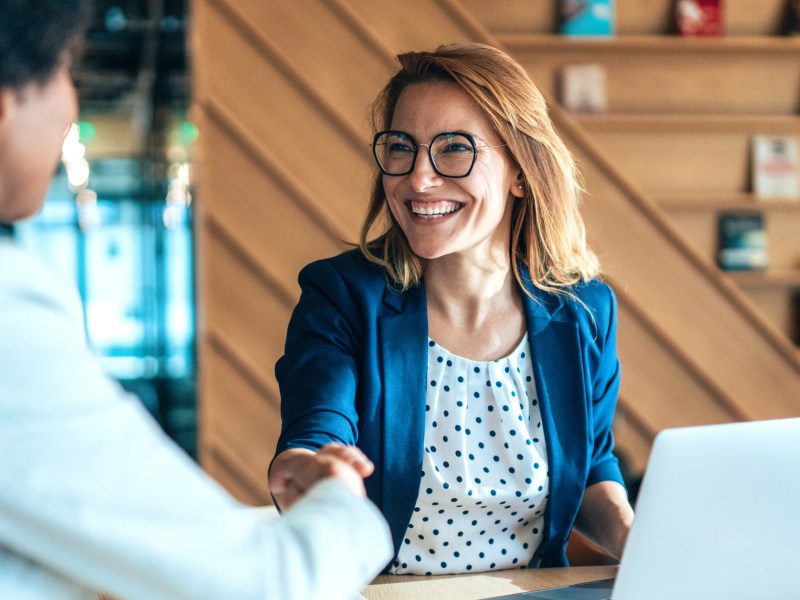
118,217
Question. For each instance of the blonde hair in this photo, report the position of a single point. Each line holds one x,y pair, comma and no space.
548,235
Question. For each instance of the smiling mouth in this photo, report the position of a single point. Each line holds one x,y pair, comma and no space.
434,210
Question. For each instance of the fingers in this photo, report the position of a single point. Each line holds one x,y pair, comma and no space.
352,456
296,470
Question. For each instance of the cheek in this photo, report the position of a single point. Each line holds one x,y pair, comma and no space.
390,185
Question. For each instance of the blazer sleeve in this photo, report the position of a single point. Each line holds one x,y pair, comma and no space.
318,373
605,389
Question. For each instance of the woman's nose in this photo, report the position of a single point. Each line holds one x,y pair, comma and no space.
423,176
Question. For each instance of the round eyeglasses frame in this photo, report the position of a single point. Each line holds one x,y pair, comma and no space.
416,146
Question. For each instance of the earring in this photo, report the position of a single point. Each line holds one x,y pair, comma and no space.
519,186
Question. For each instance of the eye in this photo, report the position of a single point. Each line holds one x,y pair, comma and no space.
457,148
452,146
399,147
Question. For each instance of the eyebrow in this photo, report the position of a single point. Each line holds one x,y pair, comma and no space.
476,136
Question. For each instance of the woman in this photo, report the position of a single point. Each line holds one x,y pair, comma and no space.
468,350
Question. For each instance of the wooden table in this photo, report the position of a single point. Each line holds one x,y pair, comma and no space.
479,585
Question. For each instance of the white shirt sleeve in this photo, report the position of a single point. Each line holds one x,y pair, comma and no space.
93,494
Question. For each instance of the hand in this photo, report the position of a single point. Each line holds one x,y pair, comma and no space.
296,470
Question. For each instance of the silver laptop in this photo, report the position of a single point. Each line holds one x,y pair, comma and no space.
717,517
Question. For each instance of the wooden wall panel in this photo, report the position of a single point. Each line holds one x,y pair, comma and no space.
242,309
687,300
324,34
663,397
286,122
778,306
244,420
675,156
409,25
251,199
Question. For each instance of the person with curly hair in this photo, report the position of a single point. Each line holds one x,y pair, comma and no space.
93,496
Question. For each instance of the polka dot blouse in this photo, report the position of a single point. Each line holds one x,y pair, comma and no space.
484,480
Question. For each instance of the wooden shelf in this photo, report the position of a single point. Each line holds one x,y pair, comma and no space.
723,202
680,123
787,278
653,43
682,114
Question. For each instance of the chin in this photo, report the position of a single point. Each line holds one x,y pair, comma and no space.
12,214
428,253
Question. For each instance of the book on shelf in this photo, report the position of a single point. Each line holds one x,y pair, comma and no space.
582,88
586,17
742,242
775,167
699,17
791,19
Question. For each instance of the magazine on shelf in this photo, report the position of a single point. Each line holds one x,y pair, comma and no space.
699,17
582,88
775,167
742,242
586,17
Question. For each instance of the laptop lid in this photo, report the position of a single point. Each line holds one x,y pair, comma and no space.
717,516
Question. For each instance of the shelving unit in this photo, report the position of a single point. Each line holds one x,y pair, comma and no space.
682,112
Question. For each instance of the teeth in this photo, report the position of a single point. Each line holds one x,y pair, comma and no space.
434,210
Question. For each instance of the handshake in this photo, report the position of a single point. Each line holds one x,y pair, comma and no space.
295,471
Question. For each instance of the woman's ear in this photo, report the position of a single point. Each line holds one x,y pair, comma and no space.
518,186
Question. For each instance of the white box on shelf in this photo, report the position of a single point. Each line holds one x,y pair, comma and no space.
775,167
582,88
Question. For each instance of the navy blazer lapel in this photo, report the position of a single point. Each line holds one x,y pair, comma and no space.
556,352
403,331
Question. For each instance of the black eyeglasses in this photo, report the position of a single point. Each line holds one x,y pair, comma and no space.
452,153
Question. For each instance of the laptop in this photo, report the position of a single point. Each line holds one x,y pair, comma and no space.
717,517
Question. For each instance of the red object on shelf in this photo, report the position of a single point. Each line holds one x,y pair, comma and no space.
699,17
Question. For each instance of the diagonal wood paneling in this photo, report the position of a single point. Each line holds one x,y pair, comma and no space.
279,113
281,92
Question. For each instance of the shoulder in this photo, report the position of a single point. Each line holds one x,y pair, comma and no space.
26,281
348,272
594,294
577,302
591,305
48,365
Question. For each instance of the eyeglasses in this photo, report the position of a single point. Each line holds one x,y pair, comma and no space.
452,153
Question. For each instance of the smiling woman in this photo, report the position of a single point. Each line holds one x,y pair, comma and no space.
467,349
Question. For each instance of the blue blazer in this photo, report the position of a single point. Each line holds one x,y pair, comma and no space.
354,372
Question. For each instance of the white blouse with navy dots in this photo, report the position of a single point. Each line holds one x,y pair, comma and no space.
484,480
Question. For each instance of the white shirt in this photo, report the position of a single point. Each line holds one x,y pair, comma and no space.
484,479
93,496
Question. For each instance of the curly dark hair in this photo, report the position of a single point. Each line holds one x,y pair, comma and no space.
35,36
